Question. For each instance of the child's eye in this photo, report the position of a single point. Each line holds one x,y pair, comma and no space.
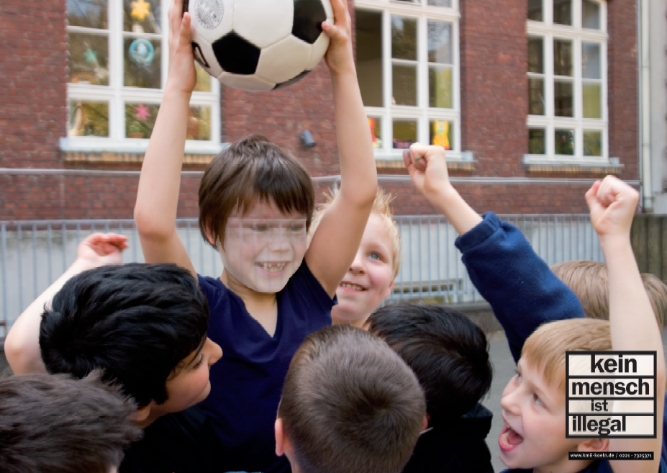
297,228
375,255
537,400
259,227
517,374
199,361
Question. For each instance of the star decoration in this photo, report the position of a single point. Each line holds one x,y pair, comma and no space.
142,112
90,55
140,10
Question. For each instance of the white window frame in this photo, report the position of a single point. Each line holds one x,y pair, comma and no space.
422,113
549,122
116,94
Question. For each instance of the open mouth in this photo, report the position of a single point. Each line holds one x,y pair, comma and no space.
509,439
354,287
272,267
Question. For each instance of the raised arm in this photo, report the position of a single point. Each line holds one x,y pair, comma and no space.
521,289
337,238
22,342
633,325
160,179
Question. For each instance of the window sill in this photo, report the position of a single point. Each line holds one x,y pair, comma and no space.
604,167
453,165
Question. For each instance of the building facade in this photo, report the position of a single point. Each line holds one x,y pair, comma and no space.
533,99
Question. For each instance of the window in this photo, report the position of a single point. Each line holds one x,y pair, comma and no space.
117,72
408,67
567,85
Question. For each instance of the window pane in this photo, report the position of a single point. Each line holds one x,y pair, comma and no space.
375,124
142,63
563,58
88,13
440,3
536,141
403,38
563,12
88,118
199,123
535,55
439,42
535,97
203,79
591,97
564,142
563,99
405,85
535,10
369,56
142,16
441,133
405,133
590,14
590,61
592,143
439,88
140,119
88,58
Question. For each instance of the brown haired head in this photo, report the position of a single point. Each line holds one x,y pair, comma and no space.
545,348
350,403
250,170
56,423
589,281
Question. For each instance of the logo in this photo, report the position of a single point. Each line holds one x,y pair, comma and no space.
209,13
611,394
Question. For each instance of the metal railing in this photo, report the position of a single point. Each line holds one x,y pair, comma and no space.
34,253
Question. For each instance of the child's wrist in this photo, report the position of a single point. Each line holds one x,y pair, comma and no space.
614,242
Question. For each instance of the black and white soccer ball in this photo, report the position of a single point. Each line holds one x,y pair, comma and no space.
259,44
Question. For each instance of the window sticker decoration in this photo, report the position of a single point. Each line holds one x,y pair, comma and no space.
140,10
441,134
142,52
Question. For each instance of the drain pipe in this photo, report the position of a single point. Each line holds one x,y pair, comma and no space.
645,167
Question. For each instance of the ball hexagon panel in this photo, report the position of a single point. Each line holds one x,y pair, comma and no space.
245,82
283,60
317,51
211,19
263,22
203,54
308,17
235,54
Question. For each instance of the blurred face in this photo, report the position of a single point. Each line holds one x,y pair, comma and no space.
534,416
370,279
264,248
191,383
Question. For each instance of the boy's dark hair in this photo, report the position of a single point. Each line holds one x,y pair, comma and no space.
350,403
446,350
53,423
249,170
137,322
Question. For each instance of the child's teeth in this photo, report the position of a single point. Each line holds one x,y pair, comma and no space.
352,286
273,266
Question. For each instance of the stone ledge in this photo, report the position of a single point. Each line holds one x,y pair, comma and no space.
573,168
123,158
451,165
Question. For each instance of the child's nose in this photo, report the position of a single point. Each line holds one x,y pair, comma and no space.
214,350
509,401
357,265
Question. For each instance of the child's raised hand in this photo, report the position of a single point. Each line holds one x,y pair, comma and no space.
427,167
181,75
612,203
100,249
339,57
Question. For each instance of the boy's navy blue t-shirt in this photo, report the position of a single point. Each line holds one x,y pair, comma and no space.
247,382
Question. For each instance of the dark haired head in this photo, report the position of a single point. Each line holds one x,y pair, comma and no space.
137,322
250,170
53,423
350,403
446,350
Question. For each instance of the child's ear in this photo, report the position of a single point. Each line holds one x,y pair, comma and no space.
209,237
142,413
282,443
593,445
425,422
389,289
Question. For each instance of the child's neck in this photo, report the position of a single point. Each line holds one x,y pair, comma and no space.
565,466
263,307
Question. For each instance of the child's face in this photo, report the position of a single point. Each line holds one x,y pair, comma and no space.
370,278
264,247
534,416
191,384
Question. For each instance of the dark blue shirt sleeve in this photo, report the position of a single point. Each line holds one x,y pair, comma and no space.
521,289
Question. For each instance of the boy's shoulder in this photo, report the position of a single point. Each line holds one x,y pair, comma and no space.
183,441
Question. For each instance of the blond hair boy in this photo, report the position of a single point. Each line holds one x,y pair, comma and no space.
370,278
502,265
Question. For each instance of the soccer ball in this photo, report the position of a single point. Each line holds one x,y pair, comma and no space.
259,44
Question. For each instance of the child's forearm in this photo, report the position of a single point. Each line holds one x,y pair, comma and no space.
22,341
159,182
357,160
450,203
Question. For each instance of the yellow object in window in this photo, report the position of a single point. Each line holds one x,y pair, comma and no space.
140,10
440,134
